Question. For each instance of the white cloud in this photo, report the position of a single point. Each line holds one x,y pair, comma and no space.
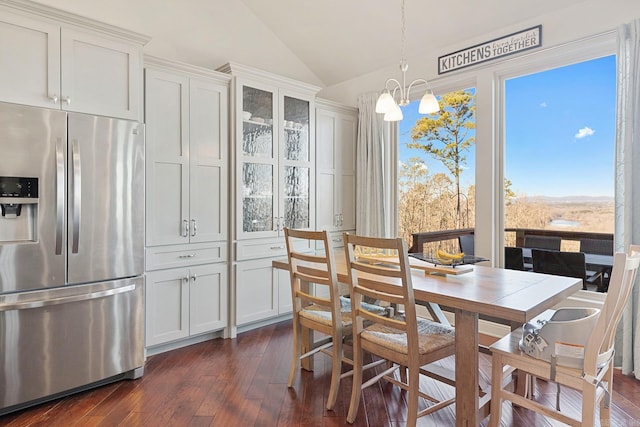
584,132
543,104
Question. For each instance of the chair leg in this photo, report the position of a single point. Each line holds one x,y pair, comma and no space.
605,413
496,390
412,397
356,389
336,369
295,357
588,405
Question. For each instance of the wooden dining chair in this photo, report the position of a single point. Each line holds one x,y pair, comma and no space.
404,340
324,309
594,380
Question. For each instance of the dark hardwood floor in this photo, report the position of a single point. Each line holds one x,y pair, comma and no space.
242,382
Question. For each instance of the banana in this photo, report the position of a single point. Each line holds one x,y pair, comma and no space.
443,255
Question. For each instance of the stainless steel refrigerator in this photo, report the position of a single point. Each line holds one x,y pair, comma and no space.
71,252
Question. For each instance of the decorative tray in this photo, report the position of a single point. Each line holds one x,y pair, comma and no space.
466,260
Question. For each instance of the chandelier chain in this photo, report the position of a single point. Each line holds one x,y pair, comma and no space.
403,31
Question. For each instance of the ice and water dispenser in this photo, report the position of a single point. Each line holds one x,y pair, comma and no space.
19,209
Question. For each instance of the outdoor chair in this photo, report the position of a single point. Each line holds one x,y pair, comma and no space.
323,310
467,244
542,242
596,246
513,259
570,264
595,377
407,341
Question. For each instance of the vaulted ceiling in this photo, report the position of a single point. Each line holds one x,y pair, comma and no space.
342,39
323,42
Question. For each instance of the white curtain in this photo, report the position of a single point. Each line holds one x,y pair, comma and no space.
373,207
627,180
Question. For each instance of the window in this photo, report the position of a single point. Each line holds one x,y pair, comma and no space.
559,149
436,167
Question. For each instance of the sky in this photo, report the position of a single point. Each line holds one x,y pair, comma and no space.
559,132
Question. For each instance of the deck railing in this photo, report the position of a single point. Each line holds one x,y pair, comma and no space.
571,238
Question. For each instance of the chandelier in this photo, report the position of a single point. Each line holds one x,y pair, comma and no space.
386,101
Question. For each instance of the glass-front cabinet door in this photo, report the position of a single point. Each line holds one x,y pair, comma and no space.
258,151
296,161
275,156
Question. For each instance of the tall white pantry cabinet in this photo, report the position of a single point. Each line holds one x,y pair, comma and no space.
336,133
186,115
273,139
54,59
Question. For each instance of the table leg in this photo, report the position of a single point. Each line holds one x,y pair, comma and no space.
466,368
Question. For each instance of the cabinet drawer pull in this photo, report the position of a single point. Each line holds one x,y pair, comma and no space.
187,256
277,247
337,240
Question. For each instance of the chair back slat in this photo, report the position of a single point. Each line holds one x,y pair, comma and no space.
623,276
320,259
377,268
312,274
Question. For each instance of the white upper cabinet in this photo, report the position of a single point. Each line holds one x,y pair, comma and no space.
52,59
186,117
336,132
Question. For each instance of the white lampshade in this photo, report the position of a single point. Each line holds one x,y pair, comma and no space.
394,115
428,104
385,102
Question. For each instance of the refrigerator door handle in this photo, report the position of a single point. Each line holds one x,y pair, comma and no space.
59,195
76,197
64,300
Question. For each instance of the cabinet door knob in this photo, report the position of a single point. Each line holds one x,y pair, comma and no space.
185,279
54,98
194,277
66,100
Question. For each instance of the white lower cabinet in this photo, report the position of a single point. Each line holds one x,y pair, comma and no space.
183,302
262,291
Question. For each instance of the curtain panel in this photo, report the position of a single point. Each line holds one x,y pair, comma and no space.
627,182
371,209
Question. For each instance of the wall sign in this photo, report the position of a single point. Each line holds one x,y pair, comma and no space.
496,48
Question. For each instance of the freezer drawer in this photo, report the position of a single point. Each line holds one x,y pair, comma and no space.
56,340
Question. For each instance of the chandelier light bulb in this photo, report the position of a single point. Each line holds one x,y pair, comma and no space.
385,102
428,104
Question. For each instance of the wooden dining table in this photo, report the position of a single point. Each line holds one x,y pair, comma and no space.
511,296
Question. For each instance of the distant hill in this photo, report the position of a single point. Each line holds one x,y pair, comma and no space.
568,199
